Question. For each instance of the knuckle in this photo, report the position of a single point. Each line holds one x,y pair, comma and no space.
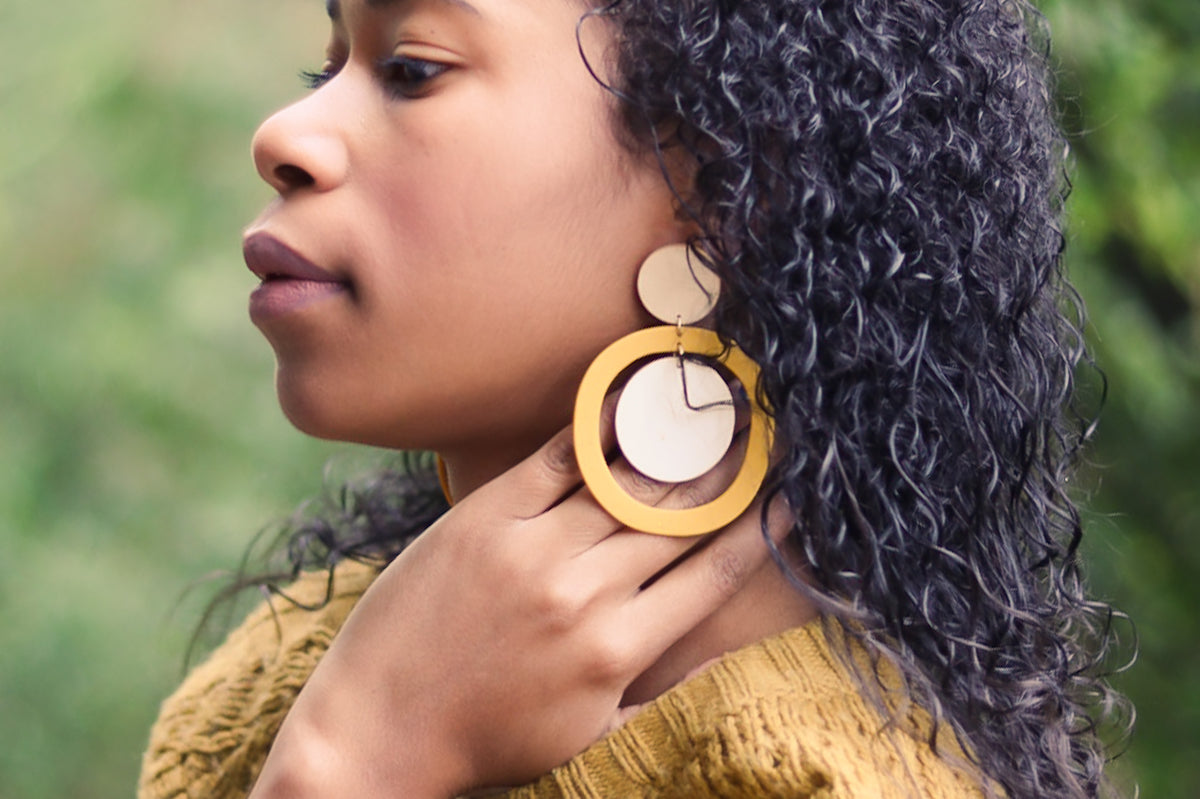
559,456
561,604
727,569
504,566
611,658
692,495
637,484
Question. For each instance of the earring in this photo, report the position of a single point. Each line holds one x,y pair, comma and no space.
675,415
443,479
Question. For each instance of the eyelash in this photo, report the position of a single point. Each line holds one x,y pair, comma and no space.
405,77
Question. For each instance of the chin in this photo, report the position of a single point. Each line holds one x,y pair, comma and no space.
307,412
339,414
315,410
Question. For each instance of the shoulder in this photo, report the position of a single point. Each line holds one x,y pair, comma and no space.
213,733
780,718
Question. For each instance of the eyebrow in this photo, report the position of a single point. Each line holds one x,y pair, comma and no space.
334,7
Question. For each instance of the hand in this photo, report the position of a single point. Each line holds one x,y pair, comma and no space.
499,644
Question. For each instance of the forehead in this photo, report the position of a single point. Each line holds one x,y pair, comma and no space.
334,7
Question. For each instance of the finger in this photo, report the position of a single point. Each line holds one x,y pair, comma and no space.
694,588
583,519
620,564
643,556
540,482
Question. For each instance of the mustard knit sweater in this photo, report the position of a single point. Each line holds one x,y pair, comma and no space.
779,718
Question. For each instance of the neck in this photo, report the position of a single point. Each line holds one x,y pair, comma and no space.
465,472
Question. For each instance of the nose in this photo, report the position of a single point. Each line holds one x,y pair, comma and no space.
300,148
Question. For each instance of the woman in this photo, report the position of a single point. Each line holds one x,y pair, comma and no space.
464,203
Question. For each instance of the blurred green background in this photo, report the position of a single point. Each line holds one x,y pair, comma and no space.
140,444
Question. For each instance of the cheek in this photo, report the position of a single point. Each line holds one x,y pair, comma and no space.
516,227
486,168
495,262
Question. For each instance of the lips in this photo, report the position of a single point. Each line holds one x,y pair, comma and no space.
289,280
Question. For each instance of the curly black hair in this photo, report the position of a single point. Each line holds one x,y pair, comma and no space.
880,185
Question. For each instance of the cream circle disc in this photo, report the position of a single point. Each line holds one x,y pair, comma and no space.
660,435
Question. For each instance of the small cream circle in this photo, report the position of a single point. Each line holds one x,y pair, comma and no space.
660,435
674,285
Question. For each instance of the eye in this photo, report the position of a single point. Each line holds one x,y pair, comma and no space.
315,80
409,77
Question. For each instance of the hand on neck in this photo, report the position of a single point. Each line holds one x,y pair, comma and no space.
768,604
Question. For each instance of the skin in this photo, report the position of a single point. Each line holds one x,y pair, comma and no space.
480,229
488,225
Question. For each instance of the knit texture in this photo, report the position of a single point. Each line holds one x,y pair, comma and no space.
779,718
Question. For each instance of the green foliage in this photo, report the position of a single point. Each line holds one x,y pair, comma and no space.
1130,91
140,444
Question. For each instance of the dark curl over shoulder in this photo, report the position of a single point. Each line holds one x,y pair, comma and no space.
880,183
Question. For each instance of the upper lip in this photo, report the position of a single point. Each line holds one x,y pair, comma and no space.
269,258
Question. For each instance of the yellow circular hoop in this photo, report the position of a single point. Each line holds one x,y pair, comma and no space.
590,454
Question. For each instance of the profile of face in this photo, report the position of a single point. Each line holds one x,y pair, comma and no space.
457,228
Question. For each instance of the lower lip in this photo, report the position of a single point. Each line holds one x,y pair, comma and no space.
283,296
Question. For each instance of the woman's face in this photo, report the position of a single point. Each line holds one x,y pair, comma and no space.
457,230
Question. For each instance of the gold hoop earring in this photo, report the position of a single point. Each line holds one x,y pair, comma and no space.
443,479
670,285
